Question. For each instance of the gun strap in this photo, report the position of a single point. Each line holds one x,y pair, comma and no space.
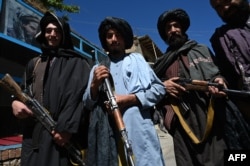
38,74
37,88
210,117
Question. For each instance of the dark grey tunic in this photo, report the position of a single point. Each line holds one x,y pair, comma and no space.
198,65
64,80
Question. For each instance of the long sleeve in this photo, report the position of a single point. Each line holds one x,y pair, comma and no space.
140,79
88,101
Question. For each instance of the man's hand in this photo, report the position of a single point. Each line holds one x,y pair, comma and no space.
61,138
173,88
100,73
125,101
215,91
20,110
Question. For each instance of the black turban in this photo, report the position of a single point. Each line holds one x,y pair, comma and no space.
121,26
29,18
172,15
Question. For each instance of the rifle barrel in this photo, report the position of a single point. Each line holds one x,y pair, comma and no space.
239,93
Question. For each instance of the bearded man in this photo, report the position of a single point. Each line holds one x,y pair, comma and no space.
189,115
230,43
231,46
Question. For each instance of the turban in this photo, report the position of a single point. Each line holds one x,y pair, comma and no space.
178,15
29,18
121,26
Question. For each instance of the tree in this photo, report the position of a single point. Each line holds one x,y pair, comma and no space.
53,5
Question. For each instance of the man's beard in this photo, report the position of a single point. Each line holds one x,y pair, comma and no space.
176,41
239,16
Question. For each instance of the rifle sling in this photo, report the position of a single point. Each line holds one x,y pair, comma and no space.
38,73
37,90
210,118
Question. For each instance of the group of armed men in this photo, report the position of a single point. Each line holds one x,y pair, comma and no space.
187,92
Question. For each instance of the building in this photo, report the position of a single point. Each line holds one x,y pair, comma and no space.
18,47
145,46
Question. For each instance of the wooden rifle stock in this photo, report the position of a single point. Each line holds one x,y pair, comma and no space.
40,113
118,120
13,88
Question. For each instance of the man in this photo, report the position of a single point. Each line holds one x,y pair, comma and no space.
30,28
57,79
25,27
189,114
231,46
137,89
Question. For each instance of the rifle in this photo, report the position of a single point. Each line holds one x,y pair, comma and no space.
40,113
118,120
190,84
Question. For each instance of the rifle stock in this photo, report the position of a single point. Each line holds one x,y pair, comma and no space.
119,121
12,87
40,113
190,84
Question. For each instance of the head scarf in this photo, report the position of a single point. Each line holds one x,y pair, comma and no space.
29,18
172,15
49,17
121,26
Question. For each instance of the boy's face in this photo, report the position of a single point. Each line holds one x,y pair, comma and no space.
115,41
53,34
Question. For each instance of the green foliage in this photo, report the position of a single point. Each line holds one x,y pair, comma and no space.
59,5
54,5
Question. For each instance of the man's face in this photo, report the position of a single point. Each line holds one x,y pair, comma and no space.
30,29
115,42
172,29
175,37
53,34
230,11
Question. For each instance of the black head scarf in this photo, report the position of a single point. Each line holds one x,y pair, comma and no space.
49,17
172,15
121,26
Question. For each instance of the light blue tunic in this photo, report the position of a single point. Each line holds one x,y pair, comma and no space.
133,75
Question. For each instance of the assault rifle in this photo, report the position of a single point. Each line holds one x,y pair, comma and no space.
190,84
40,113
118,120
